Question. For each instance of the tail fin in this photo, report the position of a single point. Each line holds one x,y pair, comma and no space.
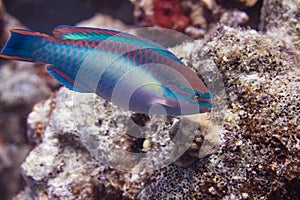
22,44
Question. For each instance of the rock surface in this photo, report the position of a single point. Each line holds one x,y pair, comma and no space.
90,148
196,18
20,89
104,21
259,156
283,16
247,148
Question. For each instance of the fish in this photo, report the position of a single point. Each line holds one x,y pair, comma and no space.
132,72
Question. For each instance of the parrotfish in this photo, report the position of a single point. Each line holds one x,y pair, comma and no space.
131,71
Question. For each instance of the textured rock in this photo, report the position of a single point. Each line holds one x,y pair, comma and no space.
259,156
109,152
283,15
247,148
104,21
93,128
20,88
11,157
167,14
194,18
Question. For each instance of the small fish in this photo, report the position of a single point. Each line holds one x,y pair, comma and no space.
133,72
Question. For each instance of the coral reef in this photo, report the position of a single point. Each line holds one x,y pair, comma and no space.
259,157
169,14
20,89
260,154
284,16
194,18
104,21
22,86
106,149
248,147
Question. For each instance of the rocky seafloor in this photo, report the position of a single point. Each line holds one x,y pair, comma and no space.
248,147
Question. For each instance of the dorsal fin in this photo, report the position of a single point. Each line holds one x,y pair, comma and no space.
66,32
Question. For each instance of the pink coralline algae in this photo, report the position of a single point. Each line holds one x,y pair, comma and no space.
169,14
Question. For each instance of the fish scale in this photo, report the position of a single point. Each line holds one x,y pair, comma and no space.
133,72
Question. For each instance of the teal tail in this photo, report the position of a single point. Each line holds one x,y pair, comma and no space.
22,44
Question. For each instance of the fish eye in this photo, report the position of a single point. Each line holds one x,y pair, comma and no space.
196,96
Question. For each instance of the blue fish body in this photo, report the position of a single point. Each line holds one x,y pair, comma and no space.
131,71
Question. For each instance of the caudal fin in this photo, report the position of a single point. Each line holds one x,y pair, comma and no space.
22,44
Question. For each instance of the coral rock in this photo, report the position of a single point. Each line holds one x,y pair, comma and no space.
194,18
283,15
86,135
22,86
164,13
246,148
260,154
104,21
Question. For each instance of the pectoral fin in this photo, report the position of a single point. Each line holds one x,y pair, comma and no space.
163,102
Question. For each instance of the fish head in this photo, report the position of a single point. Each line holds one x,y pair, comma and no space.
181,100
155,98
